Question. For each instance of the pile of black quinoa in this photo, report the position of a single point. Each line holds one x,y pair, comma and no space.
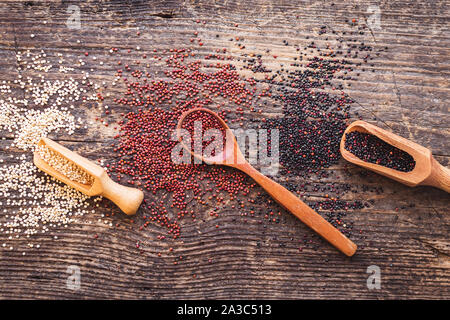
316,110
315,113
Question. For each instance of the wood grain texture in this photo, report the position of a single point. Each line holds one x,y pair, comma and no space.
408,92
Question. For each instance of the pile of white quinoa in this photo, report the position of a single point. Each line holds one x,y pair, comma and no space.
32,202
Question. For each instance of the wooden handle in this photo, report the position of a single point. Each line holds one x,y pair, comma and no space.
439,177
126,198
312,219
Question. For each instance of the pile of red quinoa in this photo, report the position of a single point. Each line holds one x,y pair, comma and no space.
145,141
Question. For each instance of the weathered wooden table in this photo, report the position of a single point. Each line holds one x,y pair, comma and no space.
408,93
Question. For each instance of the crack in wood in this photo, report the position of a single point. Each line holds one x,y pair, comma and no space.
442,248
164,15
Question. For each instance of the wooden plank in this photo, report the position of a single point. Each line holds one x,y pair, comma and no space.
404,231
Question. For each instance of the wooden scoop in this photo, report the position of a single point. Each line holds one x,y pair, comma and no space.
427,170
233,157
127,199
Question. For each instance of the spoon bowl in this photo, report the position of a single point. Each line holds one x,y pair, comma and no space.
230,156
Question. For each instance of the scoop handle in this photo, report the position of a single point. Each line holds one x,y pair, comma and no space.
307,215
439,176
126,198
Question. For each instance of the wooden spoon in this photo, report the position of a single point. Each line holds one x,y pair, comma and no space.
233,157
127,199
427,170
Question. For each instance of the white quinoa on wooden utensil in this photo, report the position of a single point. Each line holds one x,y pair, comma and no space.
64,166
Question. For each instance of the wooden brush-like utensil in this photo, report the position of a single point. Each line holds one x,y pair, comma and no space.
84,175
427,170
